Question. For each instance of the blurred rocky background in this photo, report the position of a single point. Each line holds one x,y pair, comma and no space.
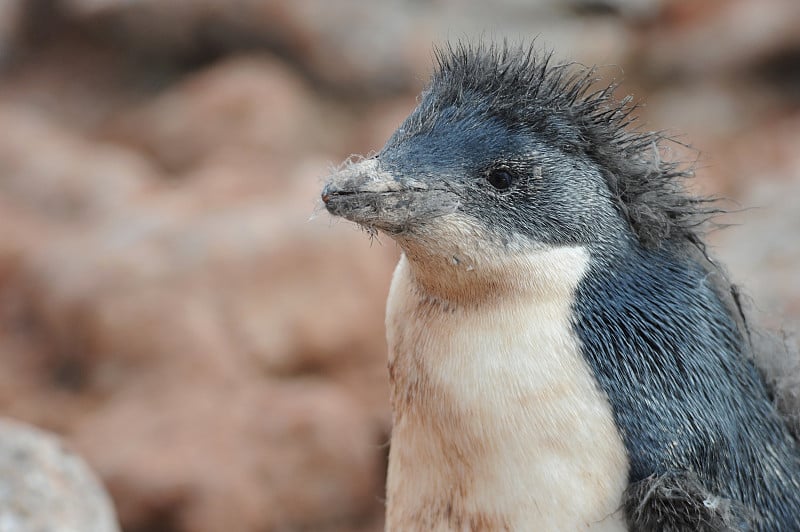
175,305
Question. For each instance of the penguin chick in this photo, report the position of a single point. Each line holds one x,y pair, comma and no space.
562,354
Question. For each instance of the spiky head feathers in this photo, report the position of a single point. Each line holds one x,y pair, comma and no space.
565,107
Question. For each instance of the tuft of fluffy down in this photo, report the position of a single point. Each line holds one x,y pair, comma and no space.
563,102
678,502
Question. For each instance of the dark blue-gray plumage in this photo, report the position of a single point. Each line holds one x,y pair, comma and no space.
707,448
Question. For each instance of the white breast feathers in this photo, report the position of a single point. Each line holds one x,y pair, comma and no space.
499,423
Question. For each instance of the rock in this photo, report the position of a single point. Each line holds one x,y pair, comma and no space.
353,59
243,455
715,39
44,486
248,104
10,14
250,266
762,252
46,169
310,32
637,10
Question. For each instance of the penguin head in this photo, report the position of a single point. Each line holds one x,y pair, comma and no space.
509,151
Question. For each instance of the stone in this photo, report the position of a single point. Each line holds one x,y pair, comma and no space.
248,104
254,454
46,487
53,172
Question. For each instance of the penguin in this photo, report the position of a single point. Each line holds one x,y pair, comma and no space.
563,352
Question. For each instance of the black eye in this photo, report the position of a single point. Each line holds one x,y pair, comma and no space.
500,178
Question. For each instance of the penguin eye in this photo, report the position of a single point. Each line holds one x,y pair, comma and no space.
500,177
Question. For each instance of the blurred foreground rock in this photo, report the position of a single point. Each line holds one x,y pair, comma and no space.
45,487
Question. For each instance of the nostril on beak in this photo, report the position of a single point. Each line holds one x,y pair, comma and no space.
326,194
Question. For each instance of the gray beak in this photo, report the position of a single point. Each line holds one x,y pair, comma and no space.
362,177
366,193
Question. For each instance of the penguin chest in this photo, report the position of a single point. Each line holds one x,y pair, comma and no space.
499,423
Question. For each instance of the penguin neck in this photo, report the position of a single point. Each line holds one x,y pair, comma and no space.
488,276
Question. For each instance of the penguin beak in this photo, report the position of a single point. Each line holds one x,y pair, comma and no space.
366,193
365,177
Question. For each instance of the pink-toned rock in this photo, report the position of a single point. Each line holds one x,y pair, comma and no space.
10,13
249,104
50,170
709,39
762,248
258,455
317,34
386,51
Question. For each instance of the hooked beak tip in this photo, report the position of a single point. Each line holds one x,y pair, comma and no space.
327,192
